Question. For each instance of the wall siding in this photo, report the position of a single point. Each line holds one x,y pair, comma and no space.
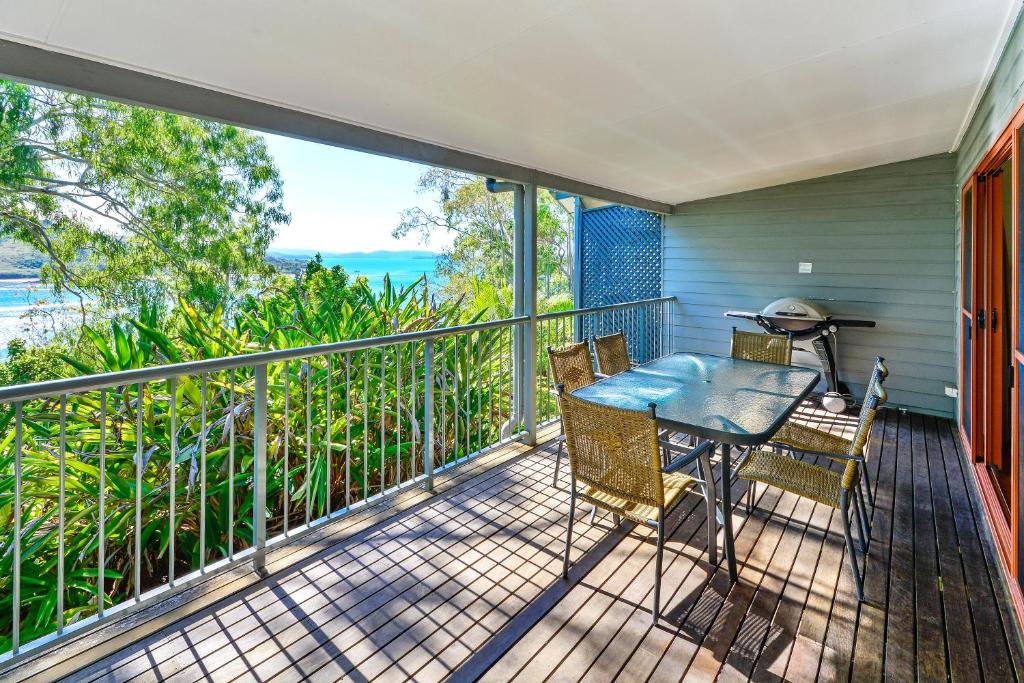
1002,97
882,243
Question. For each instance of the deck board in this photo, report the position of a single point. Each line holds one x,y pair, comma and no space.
469,583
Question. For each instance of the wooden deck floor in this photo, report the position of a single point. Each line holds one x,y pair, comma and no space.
467,585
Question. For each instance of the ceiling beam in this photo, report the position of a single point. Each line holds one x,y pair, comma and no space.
44,67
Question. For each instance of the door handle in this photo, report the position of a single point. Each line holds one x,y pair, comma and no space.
981,319
994,320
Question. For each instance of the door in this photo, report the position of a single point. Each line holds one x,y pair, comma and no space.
991,338
992,326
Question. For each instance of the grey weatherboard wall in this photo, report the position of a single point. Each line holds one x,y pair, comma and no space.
1001,98
881,241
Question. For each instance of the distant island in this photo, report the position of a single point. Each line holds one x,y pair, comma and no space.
404,265
380,253
19,261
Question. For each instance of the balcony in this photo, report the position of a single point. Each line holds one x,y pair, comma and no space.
388,508
441,558
465,581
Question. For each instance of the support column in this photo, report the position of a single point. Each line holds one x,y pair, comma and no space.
518,308
524,294
529,285
577,266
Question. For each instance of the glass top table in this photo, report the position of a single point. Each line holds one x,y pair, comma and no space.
728,401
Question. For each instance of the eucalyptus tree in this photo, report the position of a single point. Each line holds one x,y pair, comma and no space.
129,203
480,224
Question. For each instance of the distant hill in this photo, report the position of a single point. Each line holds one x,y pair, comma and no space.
286,264
18,260
380,253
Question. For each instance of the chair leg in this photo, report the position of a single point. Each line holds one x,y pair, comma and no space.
867,484
864,518
844,507
708,475
568,530
656,612
862,531
750,496
593,515
558,462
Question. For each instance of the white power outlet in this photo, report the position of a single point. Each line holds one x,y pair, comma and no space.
804,267
952,392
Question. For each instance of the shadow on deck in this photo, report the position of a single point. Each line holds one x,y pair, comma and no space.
467,584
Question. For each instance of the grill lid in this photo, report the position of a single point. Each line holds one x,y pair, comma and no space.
794,314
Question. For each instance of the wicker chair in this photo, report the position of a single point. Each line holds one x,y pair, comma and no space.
766,348
615,455
572,368
822,484
612,354
799,437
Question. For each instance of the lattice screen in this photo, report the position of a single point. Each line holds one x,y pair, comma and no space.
619,261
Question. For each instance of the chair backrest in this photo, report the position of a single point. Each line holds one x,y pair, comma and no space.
572,366
766,348
612,450
612,353
874,398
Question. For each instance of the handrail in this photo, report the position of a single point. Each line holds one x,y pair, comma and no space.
430,392
606,307
24,392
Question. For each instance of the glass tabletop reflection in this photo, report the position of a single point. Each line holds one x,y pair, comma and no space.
724,399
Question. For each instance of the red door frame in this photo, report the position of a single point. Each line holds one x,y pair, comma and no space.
1007,533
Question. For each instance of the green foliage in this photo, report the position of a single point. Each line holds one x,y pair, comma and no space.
129,203
481,224
363,432
26,364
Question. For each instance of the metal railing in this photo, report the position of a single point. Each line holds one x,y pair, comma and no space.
121,488
643,322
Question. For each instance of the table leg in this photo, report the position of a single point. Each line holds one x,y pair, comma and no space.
730,551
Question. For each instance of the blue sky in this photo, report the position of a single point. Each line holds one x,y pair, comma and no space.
345,201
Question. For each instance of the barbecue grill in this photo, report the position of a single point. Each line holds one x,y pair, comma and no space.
807,323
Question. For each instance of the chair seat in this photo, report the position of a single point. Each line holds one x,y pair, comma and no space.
676,484
796,476
804,438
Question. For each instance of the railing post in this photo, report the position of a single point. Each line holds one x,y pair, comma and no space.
259,506
642,351
428,414
667,322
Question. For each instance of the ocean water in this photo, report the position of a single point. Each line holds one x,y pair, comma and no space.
404,269
17,297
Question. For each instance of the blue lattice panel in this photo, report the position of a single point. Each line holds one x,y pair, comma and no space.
620,261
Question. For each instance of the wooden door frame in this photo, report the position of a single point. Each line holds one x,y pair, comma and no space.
968,436
1006,534
993,360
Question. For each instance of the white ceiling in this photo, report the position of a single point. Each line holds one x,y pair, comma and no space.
663,99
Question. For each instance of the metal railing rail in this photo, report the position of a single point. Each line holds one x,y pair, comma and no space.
22,392
606,308
643,322
369,416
